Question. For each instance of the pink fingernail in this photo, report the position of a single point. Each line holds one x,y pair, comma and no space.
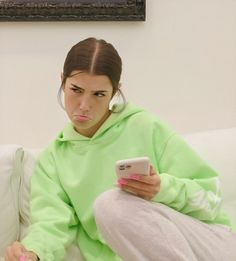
135,177
22,258
122,181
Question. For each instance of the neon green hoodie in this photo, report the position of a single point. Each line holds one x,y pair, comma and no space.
74,170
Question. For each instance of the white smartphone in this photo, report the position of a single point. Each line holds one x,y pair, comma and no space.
125,168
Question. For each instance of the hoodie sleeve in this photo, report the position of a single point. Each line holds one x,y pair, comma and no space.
54,223
188,184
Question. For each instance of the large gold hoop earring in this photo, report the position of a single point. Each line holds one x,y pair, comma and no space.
59,97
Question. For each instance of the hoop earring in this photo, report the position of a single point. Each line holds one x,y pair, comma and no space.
59,98
124,103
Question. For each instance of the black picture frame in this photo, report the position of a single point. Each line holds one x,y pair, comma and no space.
73,10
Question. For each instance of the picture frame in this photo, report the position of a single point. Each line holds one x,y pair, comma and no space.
72,10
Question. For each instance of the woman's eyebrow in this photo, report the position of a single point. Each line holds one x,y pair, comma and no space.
100,91
78,87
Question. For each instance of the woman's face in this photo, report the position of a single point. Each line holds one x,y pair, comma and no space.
87,98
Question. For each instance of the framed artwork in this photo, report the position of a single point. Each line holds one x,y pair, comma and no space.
72,10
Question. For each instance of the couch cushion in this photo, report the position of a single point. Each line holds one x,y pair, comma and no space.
29,161
218,147
10,167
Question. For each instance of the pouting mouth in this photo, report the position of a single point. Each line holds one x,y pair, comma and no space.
81,117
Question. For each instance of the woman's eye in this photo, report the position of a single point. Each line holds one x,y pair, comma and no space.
99,94
76,90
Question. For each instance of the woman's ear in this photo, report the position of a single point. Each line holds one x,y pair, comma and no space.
117,90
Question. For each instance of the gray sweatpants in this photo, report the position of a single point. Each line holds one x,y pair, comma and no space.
138,230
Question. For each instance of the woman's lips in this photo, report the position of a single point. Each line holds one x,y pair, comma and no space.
81,118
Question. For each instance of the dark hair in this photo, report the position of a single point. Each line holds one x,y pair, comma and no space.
96,57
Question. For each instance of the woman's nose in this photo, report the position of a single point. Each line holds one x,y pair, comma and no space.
84,104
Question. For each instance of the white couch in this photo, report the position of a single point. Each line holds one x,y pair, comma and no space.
218,147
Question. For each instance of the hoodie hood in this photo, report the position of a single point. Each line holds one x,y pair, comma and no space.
113,122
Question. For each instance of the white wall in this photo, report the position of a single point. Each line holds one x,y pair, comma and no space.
180,64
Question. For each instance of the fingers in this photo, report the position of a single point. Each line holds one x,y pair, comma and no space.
144,191
142,194
17,252
14,252
145,186
153,178
22,258
25,258
30,256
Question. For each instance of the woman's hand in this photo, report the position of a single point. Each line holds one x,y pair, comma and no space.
17,252
144,186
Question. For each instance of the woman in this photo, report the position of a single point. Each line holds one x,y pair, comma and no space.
172,214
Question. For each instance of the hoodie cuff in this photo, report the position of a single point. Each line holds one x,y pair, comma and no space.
166,190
